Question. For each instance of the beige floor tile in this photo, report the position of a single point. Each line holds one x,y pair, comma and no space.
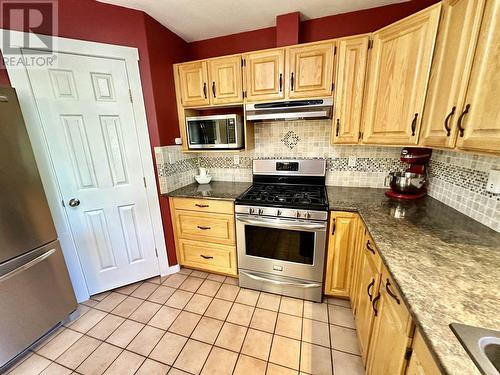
218,309
209,288
341,316
174,371
48,338
58,345
175,280
161,294
146,340
273,369
125,333
207,330
248,297
265,320
315,332
315,359
241,314
200,274
269,301
87,321
228,292
344,339
347,364
198,304
338,301
99,360
231,337
247,365
99,297
185,323
145,290
191,284
218,278
164,317
185,271
56,369
168,348
80,311
179,299
156,280
90,303
292,306
150,367
34,364
257,344
106,327
128,289
285,352
145,312
127,363
232,280
127,307
316,311
220,362
289,326
192,356
110,302
78,352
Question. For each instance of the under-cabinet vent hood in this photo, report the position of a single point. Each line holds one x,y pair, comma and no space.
290,110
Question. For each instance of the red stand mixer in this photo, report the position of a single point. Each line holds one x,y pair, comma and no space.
410,184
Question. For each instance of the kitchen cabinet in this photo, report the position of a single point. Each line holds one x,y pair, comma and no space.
421,361
204,234
455,45
397,78
193,82
352,58
310,70
341,246
478,122
264,75
355,279
392,331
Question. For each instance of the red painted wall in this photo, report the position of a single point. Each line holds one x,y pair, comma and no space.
287,29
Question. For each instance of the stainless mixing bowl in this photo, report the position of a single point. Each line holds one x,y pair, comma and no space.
405,182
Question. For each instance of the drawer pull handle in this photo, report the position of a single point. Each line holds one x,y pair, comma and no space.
374,304
203,228
390,292
369,287
206,257
414,125
202,205
447,121
369,248
460,118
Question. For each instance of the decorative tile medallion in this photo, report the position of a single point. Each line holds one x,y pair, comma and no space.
290,139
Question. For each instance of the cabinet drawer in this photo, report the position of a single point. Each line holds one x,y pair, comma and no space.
203,205
204,226
207,256
389,288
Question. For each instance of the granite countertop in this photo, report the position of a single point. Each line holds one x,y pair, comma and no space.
446,265
214,190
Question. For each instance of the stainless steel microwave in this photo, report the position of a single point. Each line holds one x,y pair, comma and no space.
215,132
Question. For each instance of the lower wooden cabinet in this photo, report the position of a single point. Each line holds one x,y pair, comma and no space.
421,361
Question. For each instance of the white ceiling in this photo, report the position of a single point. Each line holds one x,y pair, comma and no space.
202,19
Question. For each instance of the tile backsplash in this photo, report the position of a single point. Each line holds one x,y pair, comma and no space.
457,179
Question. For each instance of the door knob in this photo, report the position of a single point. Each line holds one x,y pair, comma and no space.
74,202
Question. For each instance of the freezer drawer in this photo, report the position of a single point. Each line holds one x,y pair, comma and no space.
35,295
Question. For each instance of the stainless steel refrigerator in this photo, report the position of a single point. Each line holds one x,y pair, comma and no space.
35,289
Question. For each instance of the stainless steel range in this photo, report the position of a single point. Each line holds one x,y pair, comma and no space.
281,226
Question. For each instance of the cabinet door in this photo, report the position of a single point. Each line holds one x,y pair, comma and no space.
341,245
310,70
458,30
264,75
193,81
355,280
479,121
350,83
397,78
421,360
225,80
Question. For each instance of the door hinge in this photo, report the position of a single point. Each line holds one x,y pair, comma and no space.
62,202
333,86
145,185
408,353
370,44
360,135
130,95
335,50
156,252
245,94
243,63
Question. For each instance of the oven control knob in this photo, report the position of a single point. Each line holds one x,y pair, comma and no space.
278,213
261,211
250,210
308,215
297,214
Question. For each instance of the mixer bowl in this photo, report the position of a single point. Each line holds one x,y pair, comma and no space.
405,182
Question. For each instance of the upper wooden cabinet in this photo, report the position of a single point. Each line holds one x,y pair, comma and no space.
350,82
226,80
478,122
397,78
455,44
310,70
193,82
265,74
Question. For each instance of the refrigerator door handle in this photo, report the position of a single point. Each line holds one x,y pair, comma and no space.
25,266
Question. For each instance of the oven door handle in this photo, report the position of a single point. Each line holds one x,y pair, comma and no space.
278,282
282,224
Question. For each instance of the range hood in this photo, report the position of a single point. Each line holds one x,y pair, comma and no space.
290,110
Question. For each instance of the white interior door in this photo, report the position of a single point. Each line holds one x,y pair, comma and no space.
87,116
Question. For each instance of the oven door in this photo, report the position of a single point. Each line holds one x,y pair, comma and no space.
283,247
207,133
